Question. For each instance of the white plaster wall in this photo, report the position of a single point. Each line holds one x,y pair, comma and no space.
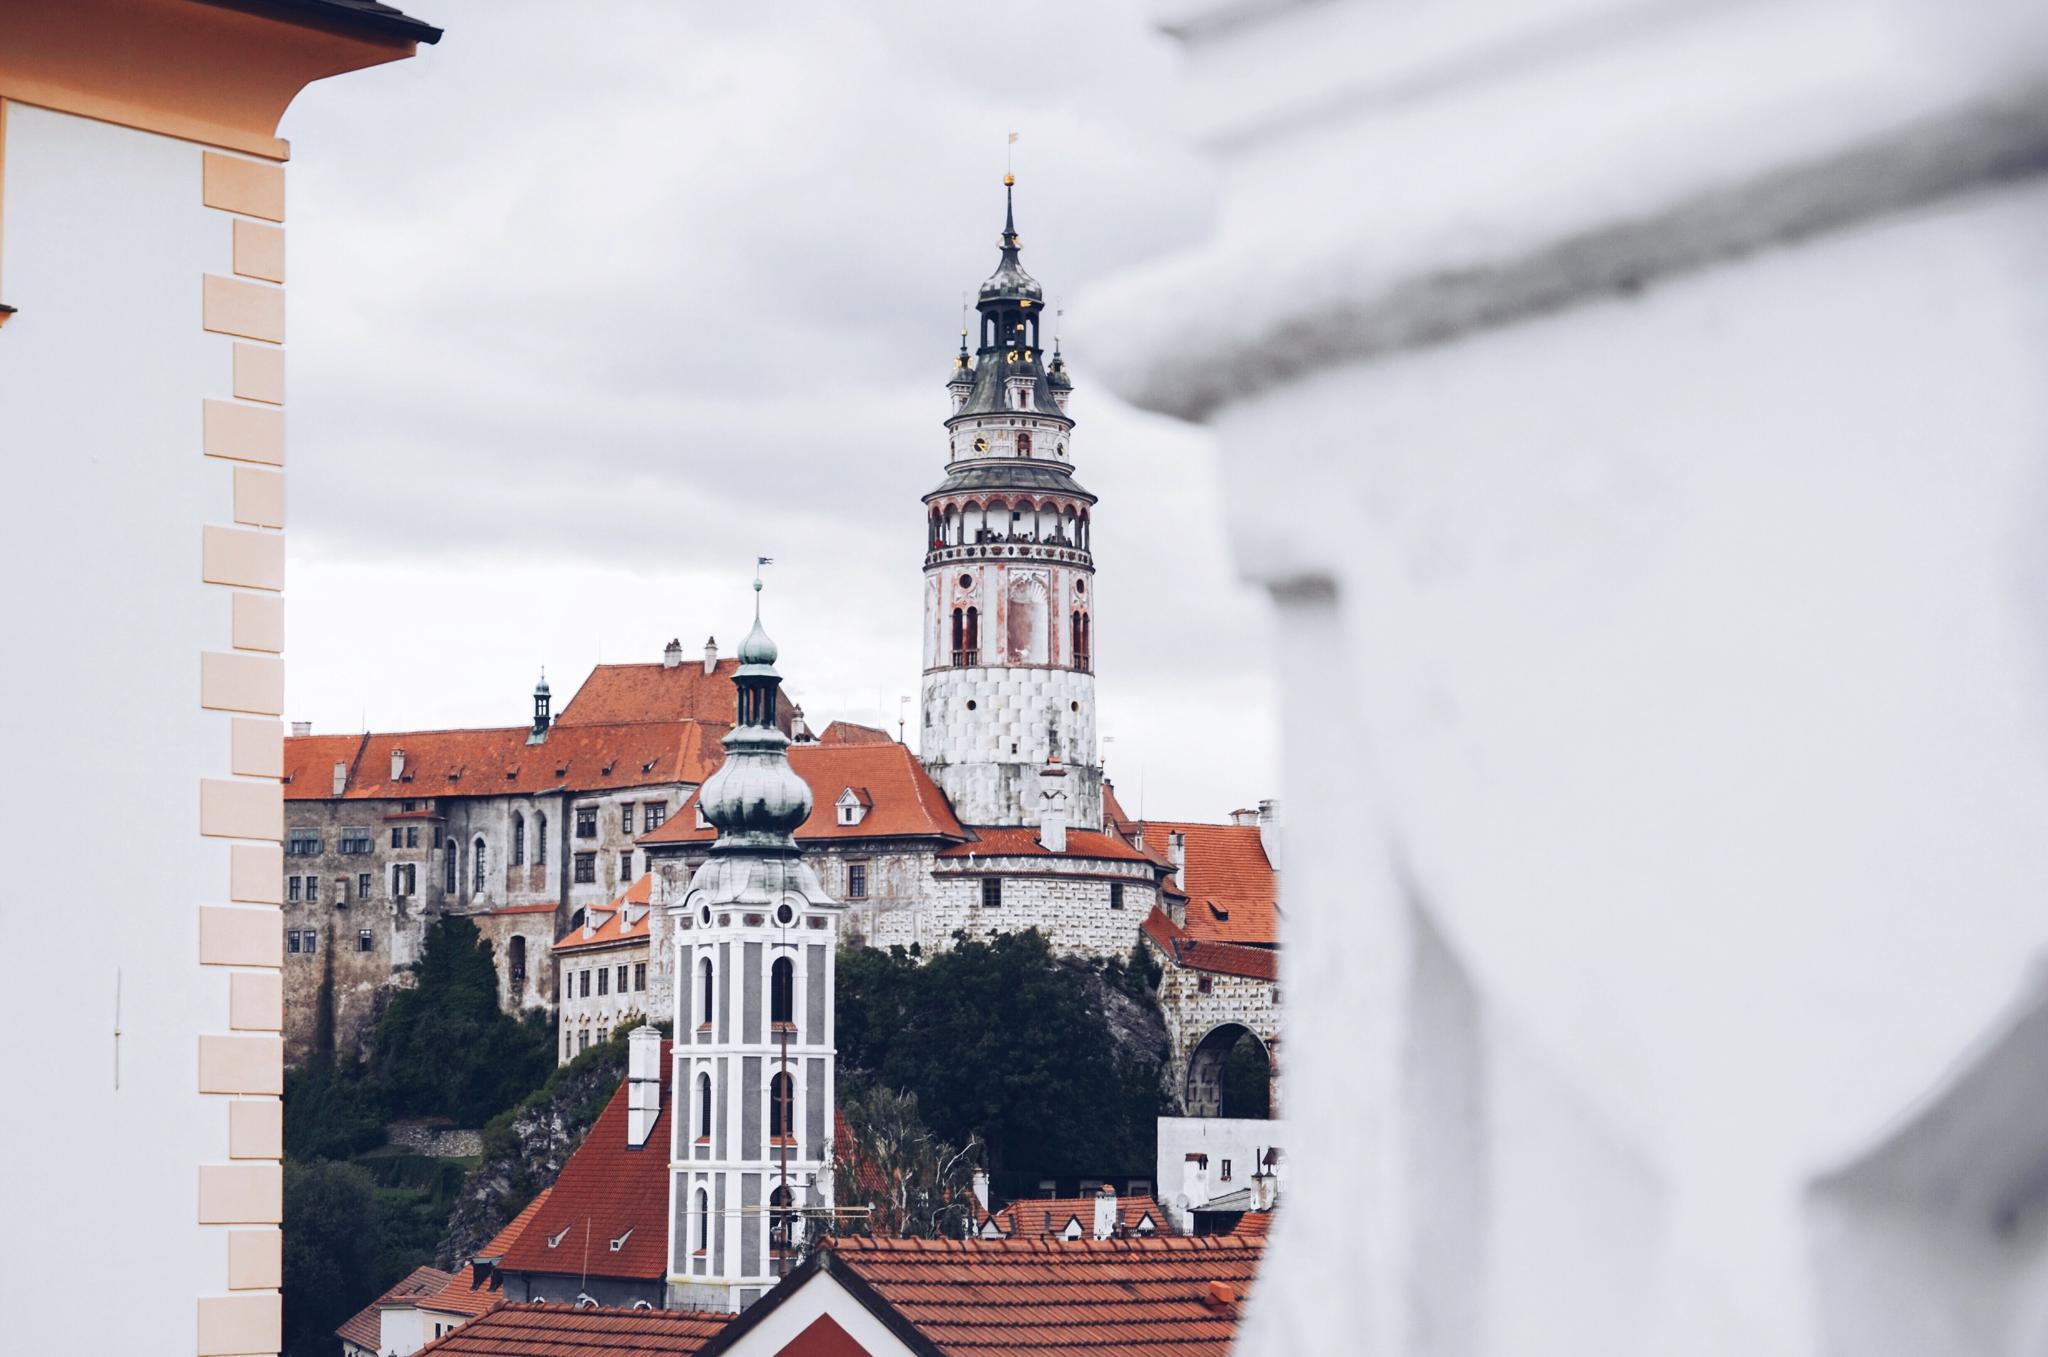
1064,899
101,378
1241,1140
986,760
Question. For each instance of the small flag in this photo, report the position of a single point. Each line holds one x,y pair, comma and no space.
1013,138
764,560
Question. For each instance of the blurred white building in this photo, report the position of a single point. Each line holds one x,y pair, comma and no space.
1635,410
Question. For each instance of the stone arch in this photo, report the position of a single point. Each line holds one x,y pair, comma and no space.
1205,1094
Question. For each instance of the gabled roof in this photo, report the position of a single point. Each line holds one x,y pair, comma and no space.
859,796
489,762
621,693
614,929
515,1227
471,1291
1172,1295
1021,841
906,802
1113,813
607,1191
1252,1225
1222,958
522,1330
1040,1217
1230,884
365,1328
846,732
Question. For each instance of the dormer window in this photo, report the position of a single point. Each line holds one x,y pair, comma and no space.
853,805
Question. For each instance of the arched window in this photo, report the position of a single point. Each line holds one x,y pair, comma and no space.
780,1218
451,869
704,1106
1023,445
540,838
518,955
781,1106
477,854
704,983
518,839
959,637
703,1221
782,991
973,635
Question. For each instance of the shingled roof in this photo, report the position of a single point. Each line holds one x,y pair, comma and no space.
1021,841
1044,1217
537,1330
613,928
904,801
1231,887
582,758
1222,958
365,1328
617,693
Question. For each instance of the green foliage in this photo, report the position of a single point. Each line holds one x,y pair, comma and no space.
444,1047
919,1186
1247,1086
1007,1041
331,1110
592,1077
333,1247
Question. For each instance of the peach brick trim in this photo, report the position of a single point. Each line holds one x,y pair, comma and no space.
256,1002
241,937
238,1326
257,747
258,623
241,1194
232,681
254,560
259,373
259,497
248,433
241,1065
259,251
252,187
255,1129
251,310
255,1257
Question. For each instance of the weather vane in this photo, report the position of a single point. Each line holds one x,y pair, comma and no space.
759,561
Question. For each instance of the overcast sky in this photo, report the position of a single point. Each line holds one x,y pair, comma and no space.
591,304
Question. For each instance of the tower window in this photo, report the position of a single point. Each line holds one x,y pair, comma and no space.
991,892
781,1107
703,1221
1116,895
857,881
518,840
478,862
704,1107
780,1211
704,983
782,992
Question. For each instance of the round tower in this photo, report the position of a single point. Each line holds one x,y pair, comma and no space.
1009,682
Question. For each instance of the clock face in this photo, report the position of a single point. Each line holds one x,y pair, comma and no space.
981,445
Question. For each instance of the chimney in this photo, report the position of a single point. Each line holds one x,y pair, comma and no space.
1195,1180
340,778
1269,832
1244,817
1052,807
301,729
397,764
672,657
1177,852
981,1189
711,654
1105,1212
643,1078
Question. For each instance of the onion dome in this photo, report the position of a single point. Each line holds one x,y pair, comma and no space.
541,689
755,799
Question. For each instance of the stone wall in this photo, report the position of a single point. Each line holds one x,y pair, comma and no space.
439,1142
1193,1013
1066,899
586,1021
986,757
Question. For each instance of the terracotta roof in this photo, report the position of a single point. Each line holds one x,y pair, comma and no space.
1113,813
365,1328
504,1238
846,1153
1230,885
846,732
522,909
467,1293
607,1190
615,930
1164,1297
1223,958
619,693
523,1330
486,762
1252,1225
906,802
1041,1216
1021,841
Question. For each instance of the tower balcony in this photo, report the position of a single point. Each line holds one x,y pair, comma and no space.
1000,546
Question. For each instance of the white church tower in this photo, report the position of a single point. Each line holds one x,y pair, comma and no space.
1009,683
755,936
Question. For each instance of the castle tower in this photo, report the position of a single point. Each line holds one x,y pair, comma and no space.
755,938
1009,684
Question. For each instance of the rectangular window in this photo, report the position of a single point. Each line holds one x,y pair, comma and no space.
291,940
622,979
412,836
291,887
653,814
586,867
586,822
364,942
626,817
1116,895
857,881
341,889
991,892
1203,984
312,941
582,1041
640,975
354,841
302,843
312,888
397,837
586,986
604,982
1226,1171
625,868
437,836
363,885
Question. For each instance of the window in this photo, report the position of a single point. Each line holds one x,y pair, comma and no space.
704,988
782,992
365,942
639,975
354,841
991,892
568,1045
704,1107
1225,1176
517,951
518,840
622,979
310,943
1203,985
586,984
653,814
779,1218
412,836
302,843
1116,895
449,870
397,837
604,981
586,822
540,833
363,886
586,867
291,887
437,836
857,881
625,868
602,1033
781,1106
341,890
703,1221
583,1041
291,940
477,864
312,888
626,817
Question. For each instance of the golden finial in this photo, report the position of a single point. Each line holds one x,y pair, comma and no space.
1009,181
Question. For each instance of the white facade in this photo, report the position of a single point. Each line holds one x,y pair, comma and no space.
1204,1160
1653,486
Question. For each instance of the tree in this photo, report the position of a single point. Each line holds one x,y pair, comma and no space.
918,1185
1007,1041
332,1243
1247,1086
445,1048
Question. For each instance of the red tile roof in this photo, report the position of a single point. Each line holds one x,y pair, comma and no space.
606,1190
523,1330
1230,885
846,732
906,802
616,693
1223,958
579,758
502,910
467,1294
1113,812
1021,841
614,929
1252,1225
365,1328
503,1239
1053,1298
1042,1216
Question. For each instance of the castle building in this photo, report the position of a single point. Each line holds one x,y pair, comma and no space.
755,938
601,969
